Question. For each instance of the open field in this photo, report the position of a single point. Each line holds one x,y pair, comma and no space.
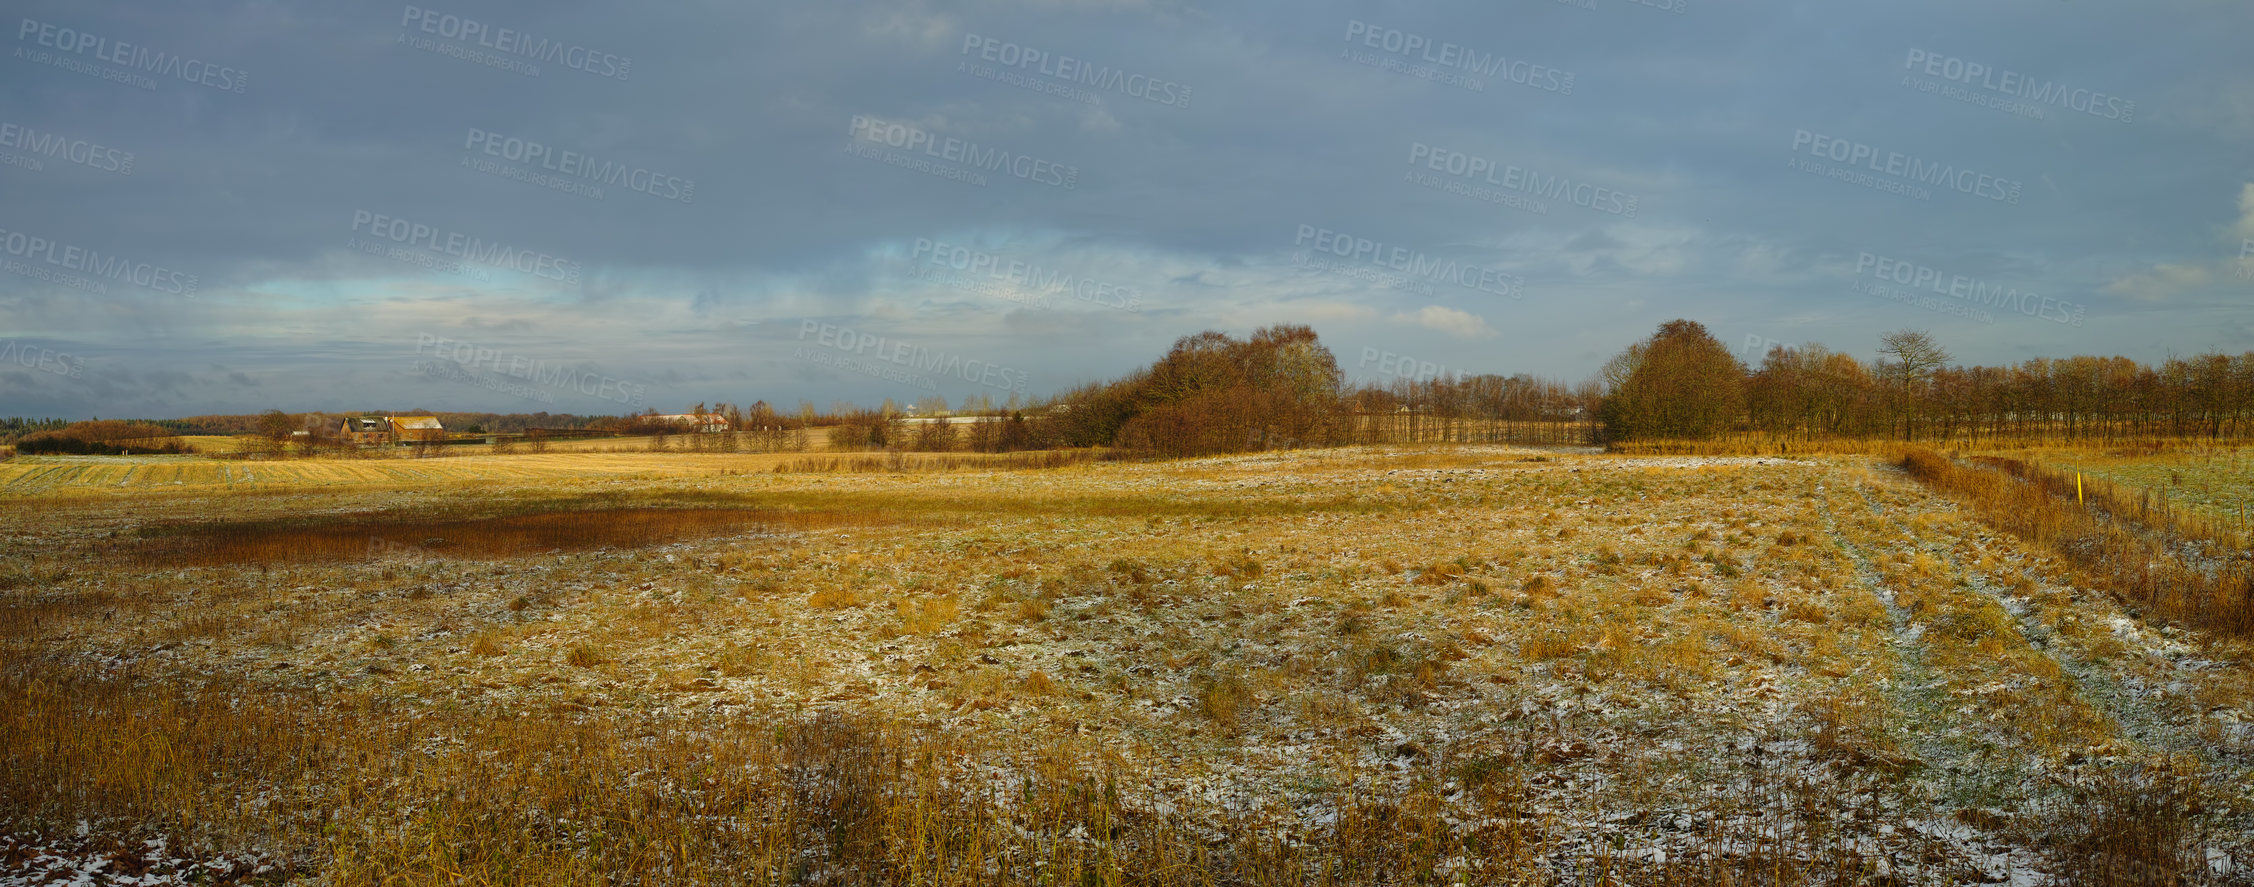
224,444
2217,481
221,444
136,475
1409,665
215,443
43,476
816,439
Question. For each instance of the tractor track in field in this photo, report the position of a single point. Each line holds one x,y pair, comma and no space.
2156,714
1950,771
2119,696
1911,686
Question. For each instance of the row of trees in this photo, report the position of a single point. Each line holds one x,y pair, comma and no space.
101,437
758,428
1682,383
1213,393
1476,409
325,422
1210,393
992,432
1281,388
13,428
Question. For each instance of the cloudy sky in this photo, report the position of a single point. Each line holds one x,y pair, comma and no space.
230,206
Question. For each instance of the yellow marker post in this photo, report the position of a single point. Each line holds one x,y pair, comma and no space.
2077,488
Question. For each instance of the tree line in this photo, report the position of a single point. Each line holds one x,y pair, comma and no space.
1681,383
13,428
100,437
1282,388
325,422
1212,393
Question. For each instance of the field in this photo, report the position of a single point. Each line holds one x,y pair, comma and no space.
1472,664
2215,481
68,476
139,475
221,444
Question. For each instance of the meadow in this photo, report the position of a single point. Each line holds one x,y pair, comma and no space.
2217,481
1401,664
40,477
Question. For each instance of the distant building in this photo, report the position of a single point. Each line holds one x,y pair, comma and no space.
409,429
366,431
706,423
375,431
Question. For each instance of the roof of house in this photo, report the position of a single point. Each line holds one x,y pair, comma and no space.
417,423
365,424
706,421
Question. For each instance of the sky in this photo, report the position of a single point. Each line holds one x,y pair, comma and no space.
225,207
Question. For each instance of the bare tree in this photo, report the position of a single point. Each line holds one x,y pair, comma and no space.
985,434
801,431
1915,356
934,435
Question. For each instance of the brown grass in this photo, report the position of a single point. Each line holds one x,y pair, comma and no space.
362,794
585,656
926,615
1761,444
2142,506
2144,564
1190,633
489,643
1224,698
899,462
528,800
393,534
2131,826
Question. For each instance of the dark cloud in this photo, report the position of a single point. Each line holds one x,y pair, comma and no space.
1201,146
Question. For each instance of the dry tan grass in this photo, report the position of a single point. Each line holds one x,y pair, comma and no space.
926,615
1235,671
2143,563
407,535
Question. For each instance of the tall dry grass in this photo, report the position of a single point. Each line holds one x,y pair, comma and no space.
512,535
370,791
2131,826
2149,565
373,792
2143,507
1762,444
900,462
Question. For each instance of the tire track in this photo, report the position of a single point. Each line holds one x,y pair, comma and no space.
1911,686
2123,698
1958,773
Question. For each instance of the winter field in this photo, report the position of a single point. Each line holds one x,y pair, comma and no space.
2215,481
1472,664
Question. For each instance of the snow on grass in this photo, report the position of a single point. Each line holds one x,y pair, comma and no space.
1663,656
